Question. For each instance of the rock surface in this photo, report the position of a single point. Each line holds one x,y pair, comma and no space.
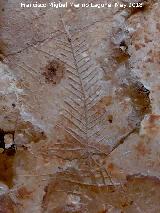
79,108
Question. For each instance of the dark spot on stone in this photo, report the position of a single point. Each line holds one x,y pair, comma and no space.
123,47
122,43
42,133
69,39
110,118
2,9
2,144
54,72
131,202
13,105
11,151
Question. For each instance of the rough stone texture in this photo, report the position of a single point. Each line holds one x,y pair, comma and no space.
79,109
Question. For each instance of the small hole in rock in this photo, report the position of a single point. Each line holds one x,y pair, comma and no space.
13,105
2,144
7,142
122,43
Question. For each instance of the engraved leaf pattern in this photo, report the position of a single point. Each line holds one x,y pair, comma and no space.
84,88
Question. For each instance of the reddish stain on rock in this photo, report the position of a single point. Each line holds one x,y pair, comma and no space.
7,172
6,204
153,118
142,149
111,167
24,193
152,125
54,72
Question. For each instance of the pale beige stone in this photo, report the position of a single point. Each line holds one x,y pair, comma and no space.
84,140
